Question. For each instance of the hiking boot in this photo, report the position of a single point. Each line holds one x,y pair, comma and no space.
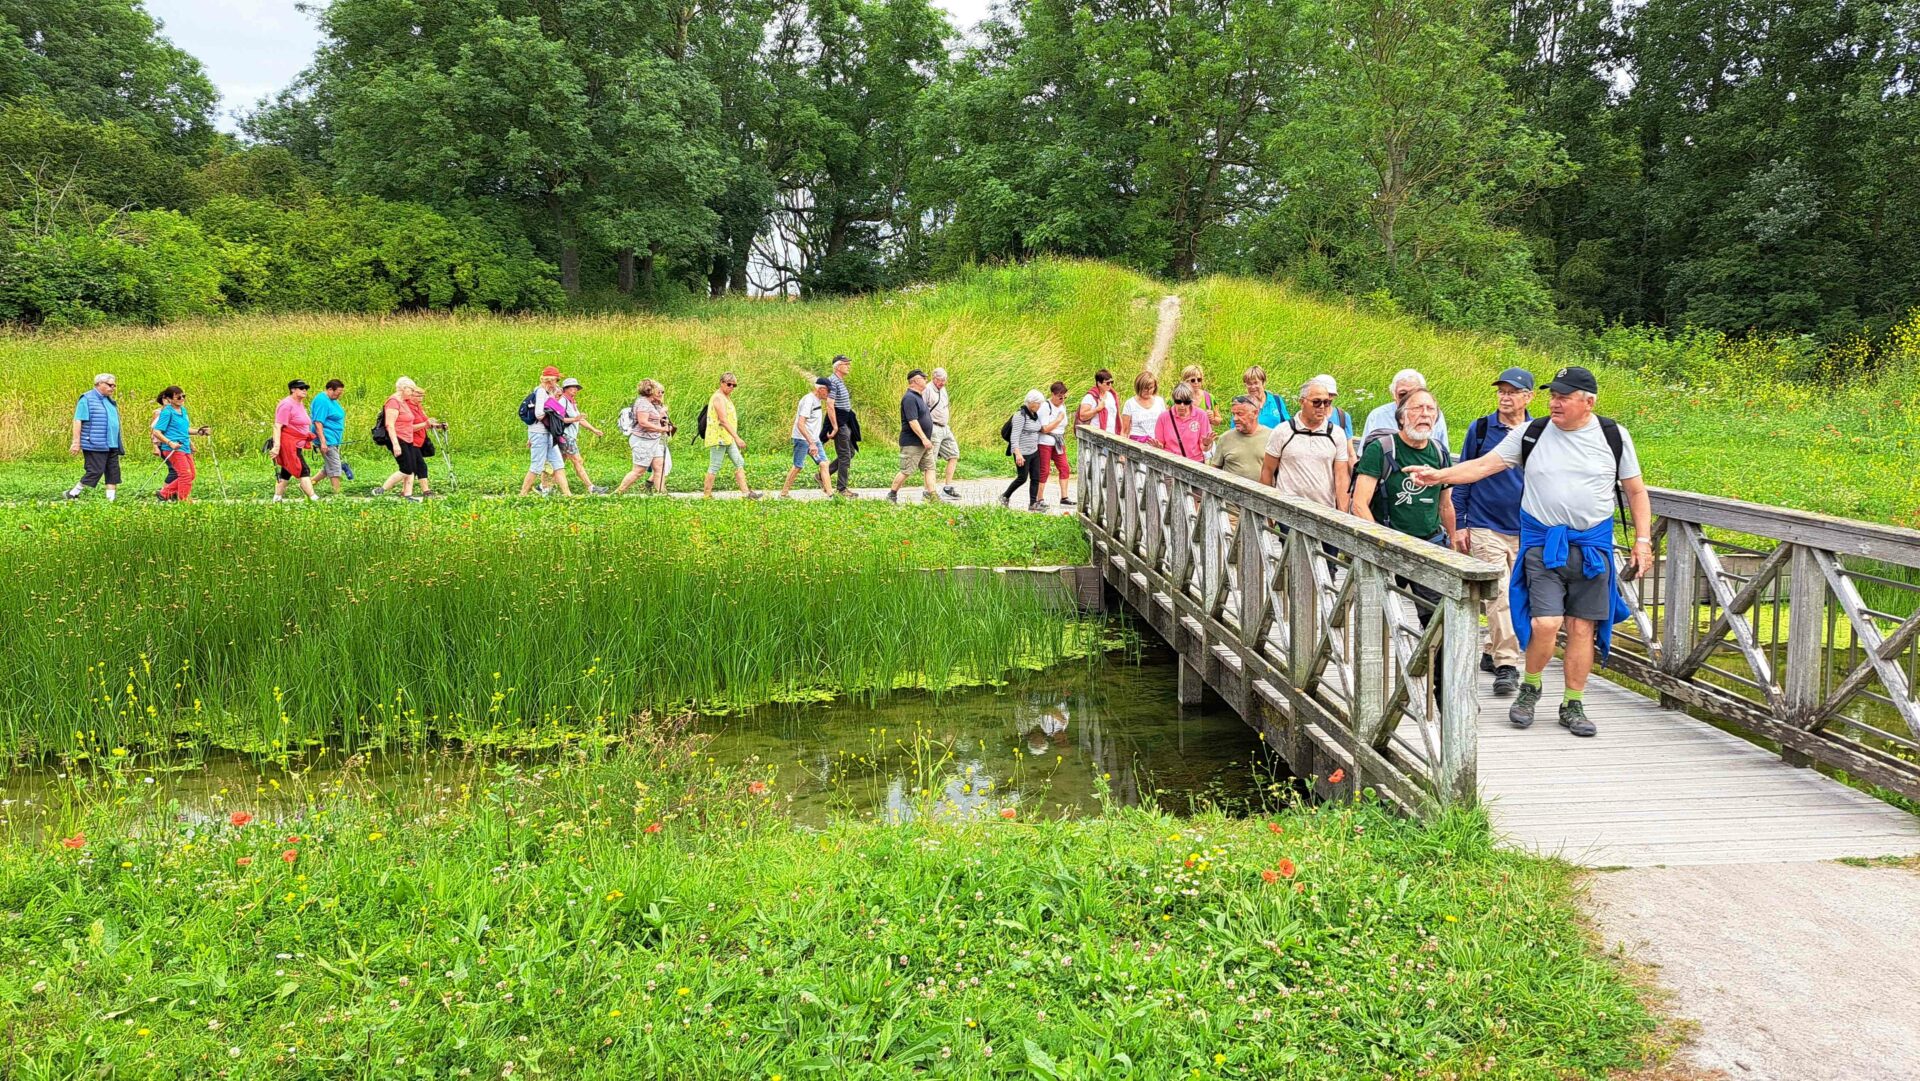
1486,663
597,489
952,492
848,493
71,493
1506,680
1005,501
754,495
1038,506
893,497
1520,714
1573,718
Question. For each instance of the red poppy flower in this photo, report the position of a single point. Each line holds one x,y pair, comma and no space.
294,840
1006,812
244,861
1269,877
1286,868
758,788
239,818
78,840
1336,776
290,855
1273,828
654,828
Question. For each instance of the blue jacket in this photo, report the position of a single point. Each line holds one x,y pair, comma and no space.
1493,503
99,418
1556,544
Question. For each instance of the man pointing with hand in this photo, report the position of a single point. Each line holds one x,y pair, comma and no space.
1574,462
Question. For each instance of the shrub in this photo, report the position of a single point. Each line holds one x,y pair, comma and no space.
150,266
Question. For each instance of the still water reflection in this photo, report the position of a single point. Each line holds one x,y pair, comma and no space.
1052,741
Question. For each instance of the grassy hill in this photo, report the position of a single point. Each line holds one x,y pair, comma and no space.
997,331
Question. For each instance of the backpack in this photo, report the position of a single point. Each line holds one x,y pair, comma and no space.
528,415
700,424
1609,430
379,433
1389,465
1006,433
1298,431
625,420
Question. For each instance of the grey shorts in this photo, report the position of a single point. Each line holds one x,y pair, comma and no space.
1566,591
330,463
945,446
716,456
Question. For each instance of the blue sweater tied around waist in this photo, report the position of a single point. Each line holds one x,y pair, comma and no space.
1556,544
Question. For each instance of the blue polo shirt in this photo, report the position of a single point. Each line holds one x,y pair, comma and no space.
327,416
1493,503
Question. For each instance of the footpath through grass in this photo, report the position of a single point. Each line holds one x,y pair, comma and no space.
643,914
142,628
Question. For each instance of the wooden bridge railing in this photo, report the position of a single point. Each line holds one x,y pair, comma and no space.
1351,647
1796,628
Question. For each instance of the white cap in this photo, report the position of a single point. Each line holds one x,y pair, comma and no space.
1327,382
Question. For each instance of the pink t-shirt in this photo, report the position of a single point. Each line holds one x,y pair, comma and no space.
292,413
1186,438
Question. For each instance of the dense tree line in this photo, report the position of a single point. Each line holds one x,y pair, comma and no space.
1722,164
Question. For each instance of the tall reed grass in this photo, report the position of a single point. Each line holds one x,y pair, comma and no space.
213,626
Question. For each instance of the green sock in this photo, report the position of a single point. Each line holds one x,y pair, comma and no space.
1531,679
1575,696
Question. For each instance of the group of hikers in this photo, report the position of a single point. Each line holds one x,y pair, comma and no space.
1535,495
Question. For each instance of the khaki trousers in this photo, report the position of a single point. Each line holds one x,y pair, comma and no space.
1501,550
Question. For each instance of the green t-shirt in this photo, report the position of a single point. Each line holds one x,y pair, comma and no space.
1241,454
1409,508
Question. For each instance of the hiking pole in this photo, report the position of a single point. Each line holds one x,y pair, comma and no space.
219,473
453,477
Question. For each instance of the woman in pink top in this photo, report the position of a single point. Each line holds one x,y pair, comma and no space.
1184,430
407,424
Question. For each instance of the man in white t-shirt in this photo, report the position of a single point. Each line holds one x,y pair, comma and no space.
1308,456
809,417
945,447
1098,406
1565,574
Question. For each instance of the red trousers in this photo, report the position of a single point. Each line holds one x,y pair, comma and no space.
181,486
1051,456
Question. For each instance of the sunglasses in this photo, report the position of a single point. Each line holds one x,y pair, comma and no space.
1317,401
729,384
1196,382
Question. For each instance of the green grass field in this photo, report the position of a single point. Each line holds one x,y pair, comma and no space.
644,914
1841,450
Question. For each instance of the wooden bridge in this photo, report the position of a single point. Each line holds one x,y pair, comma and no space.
1781,646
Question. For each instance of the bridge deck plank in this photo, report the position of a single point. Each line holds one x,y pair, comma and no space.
1657,787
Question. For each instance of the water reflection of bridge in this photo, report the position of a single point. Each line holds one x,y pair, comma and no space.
1794,630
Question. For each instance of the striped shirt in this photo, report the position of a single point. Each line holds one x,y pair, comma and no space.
842,397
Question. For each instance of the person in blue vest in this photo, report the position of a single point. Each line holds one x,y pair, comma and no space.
1574,466
96,437
1487,514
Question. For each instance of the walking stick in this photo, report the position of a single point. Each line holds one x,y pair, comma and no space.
218,473
453,477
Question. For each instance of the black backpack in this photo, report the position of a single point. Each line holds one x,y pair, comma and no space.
1006,433
700,424
527,413
379,434
1609,430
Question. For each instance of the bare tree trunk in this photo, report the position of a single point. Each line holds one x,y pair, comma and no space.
569,246
646,269
626,270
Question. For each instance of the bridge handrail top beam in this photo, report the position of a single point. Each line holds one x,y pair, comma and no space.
1400,553
1887,543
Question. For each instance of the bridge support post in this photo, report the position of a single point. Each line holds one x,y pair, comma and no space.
1192,686
1806,627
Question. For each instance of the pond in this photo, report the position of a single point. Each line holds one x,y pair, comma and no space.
1056,742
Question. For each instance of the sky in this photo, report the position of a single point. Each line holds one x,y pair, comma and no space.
252,48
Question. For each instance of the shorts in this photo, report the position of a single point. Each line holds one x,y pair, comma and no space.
915,458
802,450
1052,457
1566,591
719,454
545,452
945,446
412,461
100,465
570,445
299,472
646,451
330,465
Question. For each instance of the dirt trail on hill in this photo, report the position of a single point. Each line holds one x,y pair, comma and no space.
1163,334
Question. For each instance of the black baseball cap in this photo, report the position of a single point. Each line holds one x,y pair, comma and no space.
822,381
1517,378
1570,380
297,384
915,374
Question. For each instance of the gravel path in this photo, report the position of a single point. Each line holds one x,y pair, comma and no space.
1794,971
